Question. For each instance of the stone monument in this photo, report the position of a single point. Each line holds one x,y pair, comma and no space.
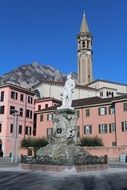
64,145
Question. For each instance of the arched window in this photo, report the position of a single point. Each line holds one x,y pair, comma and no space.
83,43
37,93
87,44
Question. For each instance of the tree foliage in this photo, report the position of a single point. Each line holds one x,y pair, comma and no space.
35,143
91,141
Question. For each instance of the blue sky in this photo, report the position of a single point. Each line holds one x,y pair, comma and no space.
45,31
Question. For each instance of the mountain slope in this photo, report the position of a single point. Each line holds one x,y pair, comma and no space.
29,75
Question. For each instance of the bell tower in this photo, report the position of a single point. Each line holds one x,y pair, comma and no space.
84,54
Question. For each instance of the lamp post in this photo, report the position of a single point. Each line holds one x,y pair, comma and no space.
114,107
14,156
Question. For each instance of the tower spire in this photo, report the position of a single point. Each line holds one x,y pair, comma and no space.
84,53
84,26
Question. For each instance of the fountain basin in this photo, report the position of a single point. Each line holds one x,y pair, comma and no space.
58,168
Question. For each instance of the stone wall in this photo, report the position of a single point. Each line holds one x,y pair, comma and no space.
112,152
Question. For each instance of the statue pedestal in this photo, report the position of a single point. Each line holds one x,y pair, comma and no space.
65,128
63,146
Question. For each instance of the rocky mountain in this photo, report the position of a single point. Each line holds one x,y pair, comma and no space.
29,75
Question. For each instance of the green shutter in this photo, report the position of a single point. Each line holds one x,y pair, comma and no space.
122,126
110,128
90,129
84,129
99,128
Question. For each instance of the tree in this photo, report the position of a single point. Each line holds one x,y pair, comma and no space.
35,143
91,141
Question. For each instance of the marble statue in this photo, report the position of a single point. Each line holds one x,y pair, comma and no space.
68,90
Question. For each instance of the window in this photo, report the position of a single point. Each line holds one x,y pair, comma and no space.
37,94
103,128
21,112
28,130
2,96
46,105
14,95
49,117
20,129
1,109
83,43
41,117
49,131
124,125
29,114
112,128
109,94
21,97
87,112
11,128
124,106
12,109
102,111
88,44
113,143
88,129
0,127
112,110
30,100
39,107
101,93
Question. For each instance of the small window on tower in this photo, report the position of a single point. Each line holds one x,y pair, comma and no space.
87,44
83,44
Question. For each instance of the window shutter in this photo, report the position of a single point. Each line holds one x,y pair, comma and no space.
99,111
90,129
122,126
106,128
106,111
99,128
84,129
110,128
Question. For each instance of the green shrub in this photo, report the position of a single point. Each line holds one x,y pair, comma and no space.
35,143
91,141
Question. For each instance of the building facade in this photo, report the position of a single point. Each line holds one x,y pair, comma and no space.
55,90
104,118
13,100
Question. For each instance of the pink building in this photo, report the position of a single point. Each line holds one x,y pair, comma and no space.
44,119
105,118
102,117
20,100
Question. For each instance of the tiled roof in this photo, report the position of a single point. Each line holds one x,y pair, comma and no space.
19,88
48,99
107,81
89,102
62,84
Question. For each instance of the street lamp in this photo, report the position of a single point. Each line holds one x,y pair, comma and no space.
114,107
14,156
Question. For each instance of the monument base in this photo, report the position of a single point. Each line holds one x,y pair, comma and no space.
65,169
63,150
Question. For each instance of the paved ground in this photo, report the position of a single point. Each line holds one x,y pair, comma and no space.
14,178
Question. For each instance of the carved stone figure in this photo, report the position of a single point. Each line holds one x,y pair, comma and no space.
67,94
65,128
